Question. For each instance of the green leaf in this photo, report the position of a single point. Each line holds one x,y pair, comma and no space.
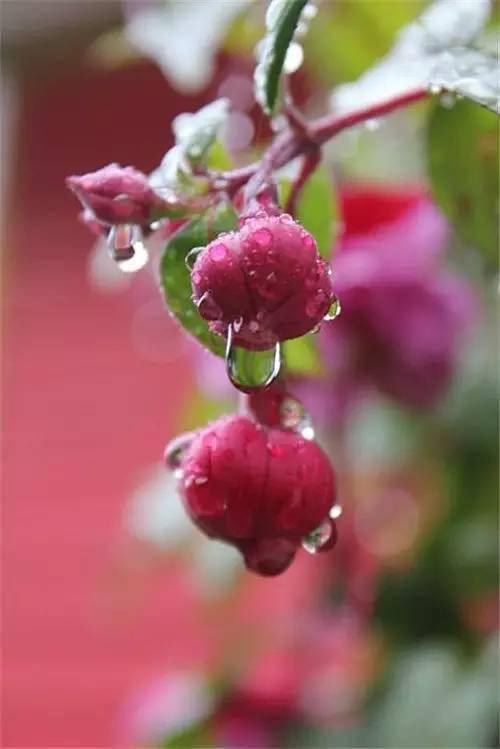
317,210
218,158
281,21
174,275
347,37
195,133
302,356
462,145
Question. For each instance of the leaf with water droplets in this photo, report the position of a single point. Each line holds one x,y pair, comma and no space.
195,133
175,278
434,52
462,148
282,19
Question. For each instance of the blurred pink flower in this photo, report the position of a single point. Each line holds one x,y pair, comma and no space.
403,312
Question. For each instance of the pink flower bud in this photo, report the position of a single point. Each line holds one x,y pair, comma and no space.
267,280
116,195
262,490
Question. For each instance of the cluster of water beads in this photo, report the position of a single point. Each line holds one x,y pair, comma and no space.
127,248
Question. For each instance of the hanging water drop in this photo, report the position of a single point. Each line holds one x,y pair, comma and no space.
335,512
127,248
294,416
435,89
334,310
313,542
249,370
175,452
192,256
372,124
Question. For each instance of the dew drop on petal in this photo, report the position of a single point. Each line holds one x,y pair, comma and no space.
218,253
294,416
372,124
192,257
334,310
263,238
313,542
208,307
335,512
315,304
175,451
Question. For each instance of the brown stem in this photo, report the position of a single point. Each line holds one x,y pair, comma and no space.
310,161
293,143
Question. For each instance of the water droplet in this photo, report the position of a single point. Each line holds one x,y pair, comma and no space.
137,261
285,218
126,247
294,58
237,324
253,326
155,225
334,310
175,452
435,88
314,305
218,253
335,512
192,257
309,11
208,307
294,416
263,238
307,432
248,370
313,542
372,124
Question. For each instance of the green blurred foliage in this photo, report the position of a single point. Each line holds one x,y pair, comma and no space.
348,36
463,167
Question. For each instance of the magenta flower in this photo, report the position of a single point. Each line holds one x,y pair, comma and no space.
262,490
403,313
267,280
116,195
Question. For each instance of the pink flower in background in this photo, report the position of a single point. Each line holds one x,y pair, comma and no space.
116,195
403,312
